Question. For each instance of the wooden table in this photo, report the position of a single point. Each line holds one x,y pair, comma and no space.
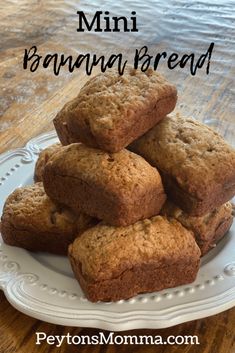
29,101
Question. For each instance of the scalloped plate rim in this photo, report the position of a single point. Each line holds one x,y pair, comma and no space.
126,320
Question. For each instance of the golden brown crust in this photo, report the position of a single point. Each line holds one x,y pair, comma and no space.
61,124
197,165
207,229
141,279
220,231
43,158
32,221
112,110
113,263
119,188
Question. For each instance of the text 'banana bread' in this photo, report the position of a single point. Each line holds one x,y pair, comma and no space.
120,188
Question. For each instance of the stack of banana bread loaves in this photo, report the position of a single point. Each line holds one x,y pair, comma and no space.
133,195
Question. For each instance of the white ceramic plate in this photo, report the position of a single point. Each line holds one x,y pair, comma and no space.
42,285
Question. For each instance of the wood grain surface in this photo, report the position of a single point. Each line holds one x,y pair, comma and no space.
29,101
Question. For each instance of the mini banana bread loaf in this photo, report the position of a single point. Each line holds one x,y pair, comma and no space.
43,158
120,188
196,164
207,229
111,110
113,263
32,221
61,123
